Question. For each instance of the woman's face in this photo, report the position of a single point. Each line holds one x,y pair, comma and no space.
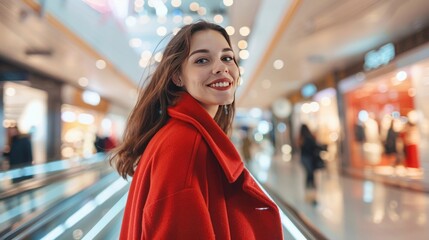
209,73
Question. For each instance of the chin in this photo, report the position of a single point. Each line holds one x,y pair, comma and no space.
228,102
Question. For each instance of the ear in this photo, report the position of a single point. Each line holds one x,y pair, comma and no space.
177,81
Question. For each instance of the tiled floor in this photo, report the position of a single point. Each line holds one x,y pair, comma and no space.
348,208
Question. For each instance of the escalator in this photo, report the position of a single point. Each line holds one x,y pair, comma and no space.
54,202
86,201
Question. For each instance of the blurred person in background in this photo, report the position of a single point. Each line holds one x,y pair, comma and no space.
188,181
309,148
104,144
19,151
99,143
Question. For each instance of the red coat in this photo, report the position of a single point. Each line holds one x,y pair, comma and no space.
191,184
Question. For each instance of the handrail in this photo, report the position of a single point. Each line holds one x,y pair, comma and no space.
58,173
307,229
39,220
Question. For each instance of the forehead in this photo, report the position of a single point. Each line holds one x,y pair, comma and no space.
208,39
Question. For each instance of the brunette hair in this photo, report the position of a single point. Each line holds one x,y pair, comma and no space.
150,112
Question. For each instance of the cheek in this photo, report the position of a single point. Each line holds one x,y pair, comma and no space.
235,73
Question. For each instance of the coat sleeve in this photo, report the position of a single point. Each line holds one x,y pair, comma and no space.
182,215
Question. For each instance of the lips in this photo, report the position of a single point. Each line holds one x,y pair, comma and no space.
221,84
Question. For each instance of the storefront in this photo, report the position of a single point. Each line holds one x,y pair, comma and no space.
386,118
87,118
26,108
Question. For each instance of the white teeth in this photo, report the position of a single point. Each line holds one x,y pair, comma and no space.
220,84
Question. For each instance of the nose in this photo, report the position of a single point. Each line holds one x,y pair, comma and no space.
220,67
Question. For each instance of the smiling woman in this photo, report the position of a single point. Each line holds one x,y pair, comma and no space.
188,179
210,73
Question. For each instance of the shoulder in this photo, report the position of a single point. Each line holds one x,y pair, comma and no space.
176,135
174,149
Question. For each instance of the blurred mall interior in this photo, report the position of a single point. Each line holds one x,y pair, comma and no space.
352,70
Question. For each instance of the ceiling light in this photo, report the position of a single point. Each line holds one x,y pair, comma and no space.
177,19
194,6
244,54
228,3
202,11
401,76
242,44
306,108
278,64
315,107
161,31
135,42
244,31
146,54
230,30
176,3
218,18
158,56
176,30
144,62
130,21
100,64
187,20
83,81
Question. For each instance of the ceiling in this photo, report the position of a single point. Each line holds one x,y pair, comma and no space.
312,38
325,35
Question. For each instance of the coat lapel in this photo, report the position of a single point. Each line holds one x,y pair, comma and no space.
189,110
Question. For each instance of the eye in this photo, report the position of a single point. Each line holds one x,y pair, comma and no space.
201,60
228,58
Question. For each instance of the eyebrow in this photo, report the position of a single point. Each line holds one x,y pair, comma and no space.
207,51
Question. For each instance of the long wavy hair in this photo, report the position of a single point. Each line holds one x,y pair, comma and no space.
150,112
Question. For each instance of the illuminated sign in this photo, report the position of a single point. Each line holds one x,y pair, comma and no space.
380,57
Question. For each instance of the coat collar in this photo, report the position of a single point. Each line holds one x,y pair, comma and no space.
189,110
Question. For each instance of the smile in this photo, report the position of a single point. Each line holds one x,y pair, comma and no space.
221,84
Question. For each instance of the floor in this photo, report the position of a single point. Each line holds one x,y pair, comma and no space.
348,208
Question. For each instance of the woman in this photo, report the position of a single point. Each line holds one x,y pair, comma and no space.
309,148
188,179
20,152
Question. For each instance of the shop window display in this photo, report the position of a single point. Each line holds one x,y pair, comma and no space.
380,117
